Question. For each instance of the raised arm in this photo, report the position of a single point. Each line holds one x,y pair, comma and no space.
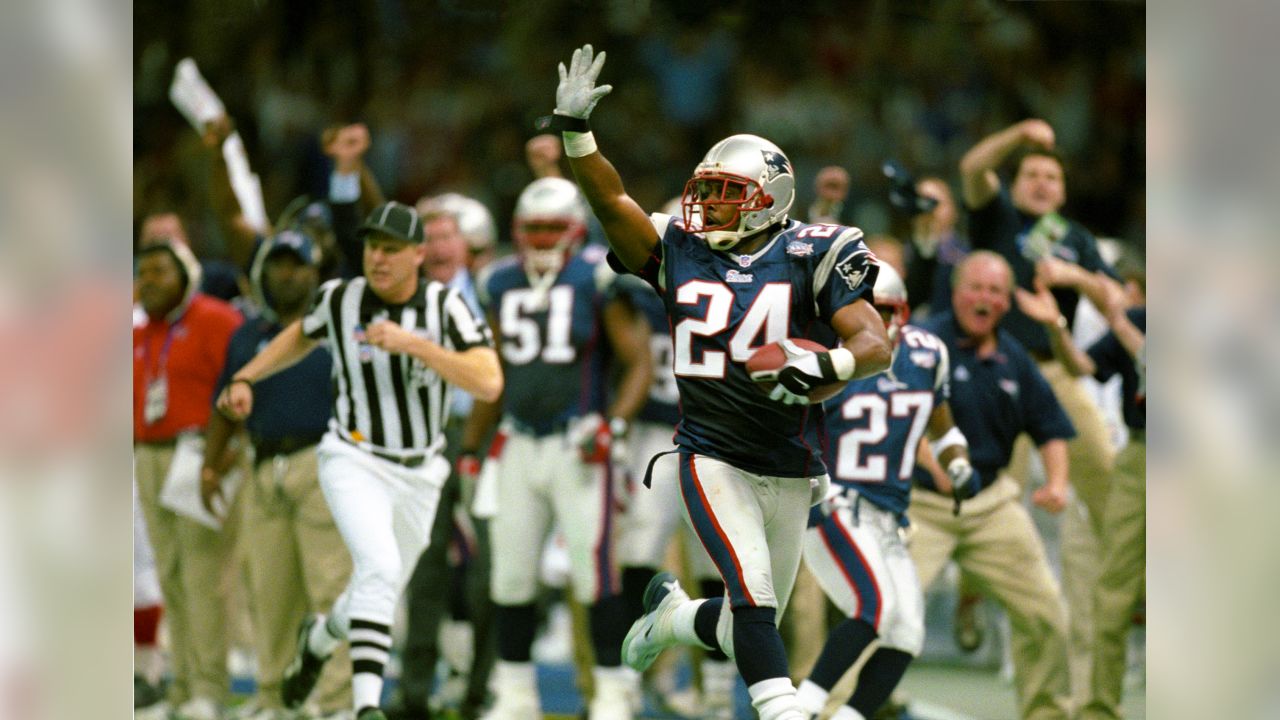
631,235
978,180
239,232
284,350
1042,307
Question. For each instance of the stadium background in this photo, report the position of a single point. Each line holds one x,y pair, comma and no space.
450,90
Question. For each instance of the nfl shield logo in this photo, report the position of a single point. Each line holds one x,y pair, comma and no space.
744,260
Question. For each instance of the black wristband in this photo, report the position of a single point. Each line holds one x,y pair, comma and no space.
561,123
246,381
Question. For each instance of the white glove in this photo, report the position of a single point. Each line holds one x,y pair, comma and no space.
781,394
960,472
577,94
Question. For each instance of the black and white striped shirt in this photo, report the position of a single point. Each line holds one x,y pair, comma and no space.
391,401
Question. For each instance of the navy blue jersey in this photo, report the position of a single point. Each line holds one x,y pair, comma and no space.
1110,357
996,398
295,402
553,344
663,403
722,307
875,424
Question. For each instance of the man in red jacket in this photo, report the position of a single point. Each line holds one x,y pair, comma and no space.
178,352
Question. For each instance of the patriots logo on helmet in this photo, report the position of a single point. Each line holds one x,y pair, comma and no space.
775,164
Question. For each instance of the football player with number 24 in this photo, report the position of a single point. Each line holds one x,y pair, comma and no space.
735,274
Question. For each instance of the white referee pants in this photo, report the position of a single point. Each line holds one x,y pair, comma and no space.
384,513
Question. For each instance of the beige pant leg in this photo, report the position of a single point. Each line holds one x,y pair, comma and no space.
150,465
203,563
1121,582
1081,560
1091,455
325,564
274,578
1006,556
804,627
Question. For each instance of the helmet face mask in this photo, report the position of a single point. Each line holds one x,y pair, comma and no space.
747,174
550,223
891,300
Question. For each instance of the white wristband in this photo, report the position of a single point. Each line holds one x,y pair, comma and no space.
578,145
950,438
843,362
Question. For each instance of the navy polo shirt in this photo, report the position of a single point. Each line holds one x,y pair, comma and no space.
1002,228
996,398
1110,357
293,403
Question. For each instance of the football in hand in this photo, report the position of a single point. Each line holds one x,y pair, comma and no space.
772,357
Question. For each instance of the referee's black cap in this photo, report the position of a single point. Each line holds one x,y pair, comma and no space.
395,219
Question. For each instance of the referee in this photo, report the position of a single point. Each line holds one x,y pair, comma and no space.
398,342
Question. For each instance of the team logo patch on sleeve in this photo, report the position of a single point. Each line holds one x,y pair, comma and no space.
854,268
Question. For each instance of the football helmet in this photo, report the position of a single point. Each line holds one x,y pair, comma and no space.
747,174
549,224
891,298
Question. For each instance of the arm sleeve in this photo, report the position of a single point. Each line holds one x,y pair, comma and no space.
1108,357
846,273
1090,258
315,323
463,328
942,381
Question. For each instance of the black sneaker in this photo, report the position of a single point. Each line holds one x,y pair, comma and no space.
301,675
370,713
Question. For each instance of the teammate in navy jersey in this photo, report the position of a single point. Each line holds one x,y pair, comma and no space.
853,546
735,274
559,325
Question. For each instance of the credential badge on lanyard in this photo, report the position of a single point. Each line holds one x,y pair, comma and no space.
156,402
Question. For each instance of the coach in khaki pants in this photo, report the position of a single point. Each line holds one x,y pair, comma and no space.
997,394
177,355
1122,520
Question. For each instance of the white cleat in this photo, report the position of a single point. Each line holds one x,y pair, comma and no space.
655,630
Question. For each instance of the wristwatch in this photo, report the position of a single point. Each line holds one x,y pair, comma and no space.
1062,322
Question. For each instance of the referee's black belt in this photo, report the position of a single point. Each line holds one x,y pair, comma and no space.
409,461
266,448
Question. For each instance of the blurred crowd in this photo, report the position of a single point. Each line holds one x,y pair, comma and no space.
450,90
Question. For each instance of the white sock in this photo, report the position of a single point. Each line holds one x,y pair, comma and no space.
321,640
521,675
366,690
775,699
682,624
811,696
847,713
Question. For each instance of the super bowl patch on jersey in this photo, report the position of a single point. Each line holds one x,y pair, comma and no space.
799,248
